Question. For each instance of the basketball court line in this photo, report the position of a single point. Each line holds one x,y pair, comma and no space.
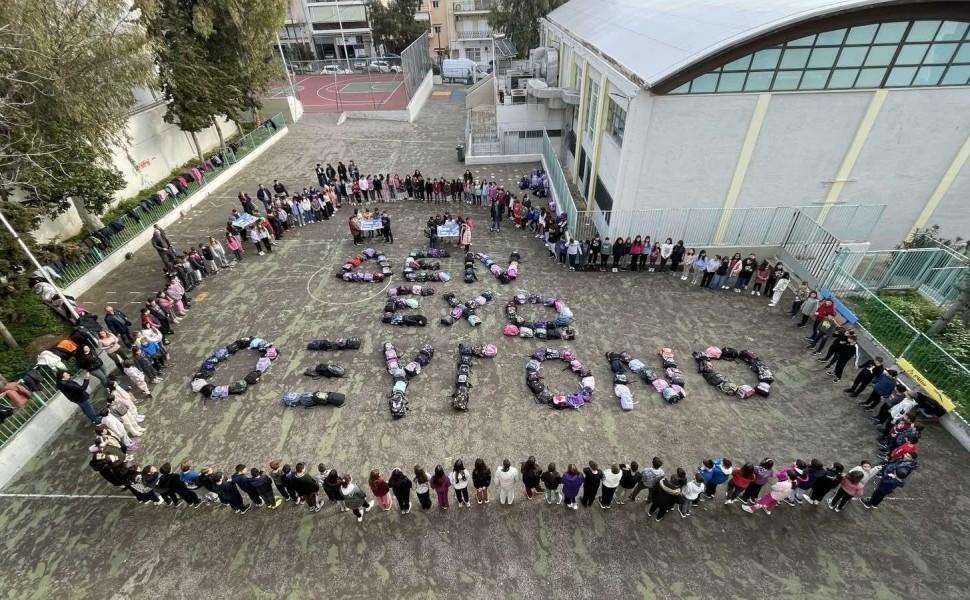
374,86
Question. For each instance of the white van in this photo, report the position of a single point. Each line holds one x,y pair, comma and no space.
461,69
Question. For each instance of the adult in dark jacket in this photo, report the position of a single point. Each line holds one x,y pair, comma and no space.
843,354
109,469
87,359
266,197
78,394
263,485
229,493
118,323
177,490
247,204
164,247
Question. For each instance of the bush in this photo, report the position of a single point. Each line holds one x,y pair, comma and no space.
27,319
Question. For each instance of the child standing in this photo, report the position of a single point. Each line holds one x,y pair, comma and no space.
769,501
137,378
762,474
760,277
688,263
850,487
780,286
219,252
691,494
233,243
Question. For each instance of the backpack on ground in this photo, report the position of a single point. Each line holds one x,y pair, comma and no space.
745,391
763,389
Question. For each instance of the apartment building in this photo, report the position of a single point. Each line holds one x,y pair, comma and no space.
329,29
459,29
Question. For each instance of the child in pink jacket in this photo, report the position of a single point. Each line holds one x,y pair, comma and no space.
769,501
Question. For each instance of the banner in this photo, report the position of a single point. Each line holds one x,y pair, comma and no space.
245,220
371,224
448,230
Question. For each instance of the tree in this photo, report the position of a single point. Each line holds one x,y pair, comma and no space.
67,73
394,25
931,238
214,57
519,20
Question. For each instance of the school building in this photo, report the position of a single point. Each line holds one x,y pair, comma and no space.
754,103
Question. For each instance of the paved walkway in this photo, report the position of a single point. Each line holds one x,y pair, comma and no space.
915,546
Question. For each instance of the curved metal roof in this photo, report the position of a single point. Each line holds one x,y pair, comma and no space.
655,39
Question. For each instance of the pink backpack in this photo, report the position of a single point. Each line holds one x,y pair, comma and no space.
713,352
510,329
745,391
660,384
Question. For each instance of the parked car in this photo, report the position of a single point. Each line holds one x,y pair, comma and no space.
360,64
335,70
382,66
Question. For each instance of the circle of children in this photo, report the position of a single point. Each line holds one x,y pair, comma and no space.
761,486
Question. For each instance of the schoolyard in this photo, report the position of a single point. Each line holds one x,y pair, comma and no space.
915,545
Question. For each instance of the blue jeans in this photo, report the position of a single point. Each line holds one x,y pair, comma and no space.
88,411
716,281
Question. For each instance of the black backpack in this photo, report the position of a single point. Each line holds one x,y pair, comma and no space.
33,381
253,377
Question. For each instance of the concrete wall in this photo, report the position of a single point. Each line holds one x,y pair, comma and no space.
155,150
521,117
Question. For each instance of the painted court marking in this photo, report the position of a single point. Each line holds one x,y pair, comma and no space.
361,87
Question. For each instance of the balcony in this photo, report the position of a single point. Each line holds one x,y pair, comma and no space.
473,6
474,35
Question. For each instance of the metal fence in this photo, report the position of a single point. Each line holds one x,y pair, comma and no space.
484,137
901,339
937,273
415,63
21,416
97,249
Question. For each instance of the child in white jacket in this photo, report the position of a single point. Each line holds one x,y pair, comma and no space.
691,494
780,286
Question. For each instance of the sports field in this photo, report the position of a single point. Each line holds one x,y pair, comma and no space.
338,93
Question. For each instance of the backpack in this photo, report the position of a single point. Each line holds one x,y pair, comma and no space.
745,391
728,388
414,321
459,400
714,378
252,378
625,395
207,390
399,405
728,354
659,384
647,375
704,366
489,351
747,356
713,352
238,387
329,370
464,349
291,399
66,345
335,399
764,375
525,332
353,343
674,376
670,395
763,389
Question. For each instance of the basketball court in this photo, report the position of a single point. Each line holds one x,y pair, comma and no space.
338,93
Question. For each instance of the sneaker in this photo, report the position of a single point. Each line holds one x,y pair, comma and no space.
261,253
479,501
370,505
829,372
139,418
683,514
837,380
758,293
752,293
830,505
746,502
789,502
799,499
245,510
574,506
180,503
819,359
767,512
360,518
659,519
867,503
486,500
748,509
277,503
838,510
728,502
771,304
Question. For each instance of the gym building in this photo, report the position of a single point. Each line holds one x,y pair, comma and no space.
755,103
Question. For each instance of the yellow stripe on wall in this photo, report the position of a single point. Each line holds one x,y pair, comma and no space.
852,155
581,122
598,136
741,169
942,187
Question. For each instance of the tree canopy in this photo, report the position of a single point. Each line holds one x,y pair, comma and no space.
68,69
214,57
394,25
519,20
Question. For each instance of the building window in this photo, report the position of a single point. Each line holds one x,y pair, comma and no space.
878,55
575,75
437,28
434,4
592,100
604,201
616,122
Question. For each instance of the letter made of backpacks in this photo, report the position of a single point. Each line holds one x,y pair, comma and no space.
329,370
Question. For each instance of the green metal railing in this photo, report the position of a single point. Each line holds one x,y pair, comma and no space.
902,339
937,273
72,270
38,401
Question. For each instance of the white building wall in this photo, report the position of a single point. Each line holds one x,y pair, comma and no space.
953,212
910,147
691,151
156,149
800,147
609,167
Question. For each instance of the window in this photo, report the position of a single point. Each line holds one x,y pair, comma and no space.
616,122
434,4
877,55
592,101
604,201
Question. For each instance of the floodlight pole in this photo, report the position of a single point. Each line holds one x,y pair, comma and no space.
289,76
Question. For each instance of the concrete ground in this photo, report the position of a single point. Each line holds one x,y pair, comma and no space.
915,545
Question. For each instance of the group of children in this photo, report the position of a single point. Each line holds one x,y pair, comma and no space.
794,483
